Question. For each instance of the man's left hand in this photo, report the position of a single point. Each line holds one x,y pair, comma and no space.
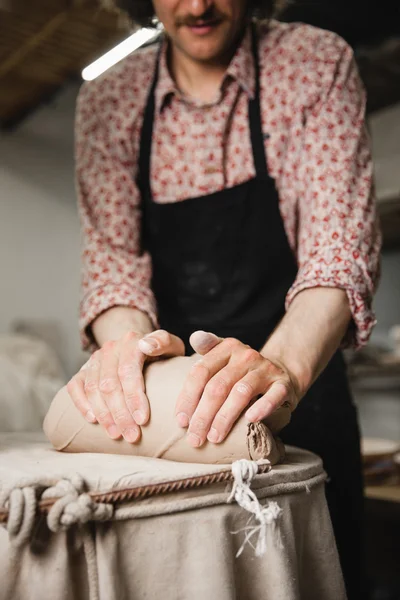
224,382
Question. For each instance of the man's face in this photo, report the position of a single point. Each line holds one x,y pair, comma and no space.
204,30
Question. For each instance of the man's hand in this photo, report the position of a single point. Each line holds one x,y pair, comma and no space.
231,375
110,389
222,384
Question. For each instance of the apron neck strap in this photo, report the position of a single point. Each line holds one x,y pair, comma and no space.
255,119
146,136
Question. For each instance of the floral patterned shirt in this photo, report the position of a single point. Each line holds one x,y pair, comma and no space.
318,152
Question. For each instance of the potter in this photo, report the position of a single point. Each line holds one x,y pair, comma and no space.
226,196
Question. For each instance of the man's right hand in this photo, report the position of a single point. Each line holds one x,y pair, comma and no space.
110,390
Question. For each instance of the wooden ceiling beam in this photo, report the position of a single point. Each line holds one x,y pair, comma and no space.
44,76
22,7
32,43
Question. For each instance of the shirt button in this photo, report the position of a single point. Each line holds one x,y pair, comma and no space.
211,170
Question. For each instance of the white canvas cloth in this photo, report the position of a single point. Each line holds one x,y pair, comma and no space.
30,376
176,546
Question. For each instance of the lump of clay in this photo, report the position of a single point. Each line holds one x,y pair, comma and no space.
68,430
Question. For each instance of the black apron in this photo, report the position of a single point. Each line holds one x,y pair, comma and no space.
222,263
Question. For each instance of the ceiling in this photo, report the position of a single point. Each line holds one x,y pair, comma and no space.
46,43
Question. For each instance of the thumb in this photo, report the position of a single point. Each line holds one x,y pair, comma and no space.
161,343
202,341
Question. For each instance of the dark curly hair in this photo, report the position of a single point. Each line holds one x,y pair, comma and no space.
142,13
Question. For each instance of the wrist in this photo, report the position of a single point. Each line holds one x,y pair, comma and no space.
114,323
298,368
310,333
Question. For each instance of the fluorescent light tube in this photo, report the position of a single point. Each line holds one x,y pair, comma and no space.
120,51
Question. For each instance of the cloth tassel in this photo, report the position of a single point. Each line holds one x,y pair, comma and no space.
244,472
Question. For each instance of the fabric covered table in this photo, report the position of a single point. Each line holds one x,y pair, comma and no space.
127,540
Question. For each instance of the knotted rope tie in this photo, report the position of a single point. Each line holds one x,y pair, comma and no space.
74,505
244,472
21,514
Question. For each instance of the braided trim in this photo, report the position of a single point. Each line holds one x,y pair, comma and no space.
145,491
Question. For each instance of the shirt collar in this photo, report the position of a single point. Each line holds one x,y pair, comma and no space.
241,69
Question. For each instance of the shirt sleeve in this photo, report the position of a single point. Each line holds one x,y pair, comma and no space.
114,270
338,236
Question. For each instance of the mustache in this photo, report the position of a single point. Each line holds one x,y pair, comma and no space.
210,15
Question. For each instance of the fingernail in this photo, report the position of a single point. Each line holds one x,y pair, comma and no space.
183,419
213,436
148,345
203,338
252,415
90,416
194,440
139,417
131,435
113,432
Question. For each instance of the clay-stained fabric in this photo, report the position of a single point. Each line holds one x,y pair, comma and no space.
175,547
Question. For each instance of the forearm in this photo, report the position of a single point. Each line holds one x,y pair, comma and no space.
117,321
310,333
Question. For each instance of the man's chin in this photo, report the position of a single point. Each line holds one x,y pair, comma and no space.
204,53
208,48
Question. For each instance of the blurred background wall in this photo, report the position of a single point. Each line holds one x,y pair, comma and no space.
39,228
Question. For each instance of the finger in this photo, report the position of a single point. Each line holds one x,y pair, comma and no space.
130,372
76,390
93,394
241,395
202,341
198,377
277,394
160,343
113,396
214,397
193,388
